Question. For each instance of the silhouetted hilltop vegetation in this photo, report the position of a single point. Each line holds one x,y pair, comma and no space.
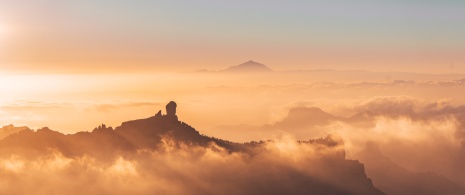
150,133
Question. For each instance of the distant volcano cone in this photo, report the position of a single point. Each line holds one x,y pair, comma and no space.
249,66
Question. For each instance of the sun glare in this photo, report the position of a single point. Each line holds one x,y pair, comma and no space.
4,29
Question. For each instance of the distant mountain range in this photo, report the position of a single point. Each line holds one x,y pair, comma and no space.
335,75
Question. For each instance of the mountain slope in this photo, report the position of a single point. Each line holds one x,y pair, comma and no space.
249,66
10,129
265,167
393,179
303,117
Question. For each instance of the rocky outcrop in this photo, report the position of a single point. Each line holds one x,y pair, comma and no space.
171,109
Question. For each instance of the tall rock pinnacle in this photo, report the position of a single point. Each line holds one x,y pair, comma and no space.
171,109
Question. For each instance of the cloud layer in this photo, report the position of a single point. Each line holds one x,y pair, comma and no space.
278,167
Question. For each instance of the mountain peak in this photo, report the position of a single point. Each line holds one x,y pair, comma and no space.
249,66
305,117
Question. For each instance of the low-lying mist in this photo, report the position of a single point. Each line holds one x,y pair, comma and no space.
417,135
280,167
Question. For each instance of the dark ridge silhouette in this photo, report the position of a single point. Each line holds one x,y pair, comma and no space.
150,132
249,66
103,141
393,179
5,131
334,175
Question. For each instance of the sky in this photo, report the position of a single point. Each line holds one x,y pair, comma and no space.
58,36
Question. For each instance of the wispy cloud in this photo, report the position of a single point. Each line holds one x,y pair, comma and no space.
108,107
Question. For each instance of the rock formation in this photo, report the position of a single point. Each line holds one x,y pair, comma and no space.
171,110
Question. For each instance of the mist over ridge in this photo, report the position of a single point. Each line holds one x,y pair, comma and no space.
137,148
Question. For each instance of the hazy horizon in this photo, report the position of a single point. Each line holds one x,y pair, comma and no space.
232,97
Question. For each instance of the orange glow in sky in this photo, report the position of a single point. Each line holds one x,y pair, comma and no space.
77,37
329,84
